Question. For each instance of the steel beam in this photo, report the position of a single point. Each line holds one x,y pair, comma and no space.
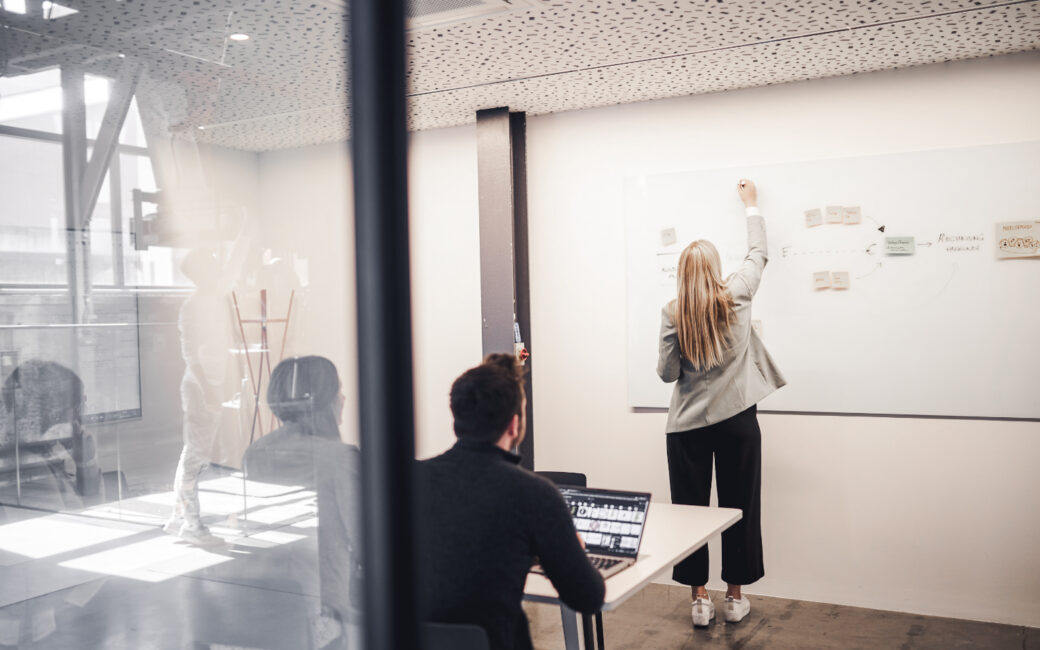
74,162
107,141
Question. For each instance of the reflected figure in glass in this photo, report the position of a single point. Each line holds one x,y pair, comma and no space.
207,341
47,460
306,395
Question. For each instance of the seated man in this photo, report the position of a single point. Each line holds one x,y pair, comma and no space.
486,519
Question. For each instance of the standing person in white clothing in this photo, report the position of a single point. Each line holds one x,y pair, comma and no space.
207,338
722,370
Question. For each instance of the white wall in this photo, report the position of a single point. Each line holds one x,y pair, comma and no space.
307,200
928,516
919,515
445,274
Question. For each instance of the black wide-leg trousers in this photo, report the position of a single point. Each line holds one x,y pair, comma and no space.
735,445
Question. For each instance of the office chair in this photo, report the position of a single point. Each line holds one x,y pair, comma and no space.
577,479
444,636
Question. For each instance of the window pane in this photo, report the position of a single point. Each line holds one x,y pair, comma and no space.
151,247
33,101
133,131
101,254
95,94
32,212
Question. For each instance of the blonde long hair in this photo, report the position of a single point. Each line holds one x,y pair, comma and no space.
704,308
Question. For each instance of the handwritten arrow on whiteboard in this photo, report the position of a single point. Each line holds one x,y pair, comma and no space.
927,243
870,271
787,252
870,249
881,227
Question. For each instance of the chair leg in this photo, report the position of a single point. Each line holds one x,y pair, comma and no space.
599,630
586,631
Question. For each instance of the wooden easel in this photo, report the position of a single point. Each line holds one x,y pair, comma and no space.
256,379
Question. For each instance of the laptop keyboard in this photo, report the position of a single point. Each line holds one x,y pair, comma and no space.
603,563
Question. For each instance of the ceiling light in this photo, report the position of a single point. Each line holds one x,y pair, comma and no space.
239,37
53,10
15,6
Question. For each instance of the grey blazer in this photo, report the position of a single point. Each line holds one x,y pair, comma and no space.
747,373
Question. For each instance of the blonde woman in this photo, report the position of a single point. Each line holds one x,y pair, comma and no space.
721,370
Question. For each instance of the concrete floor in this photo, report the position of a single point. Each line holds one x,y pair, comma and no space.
659,618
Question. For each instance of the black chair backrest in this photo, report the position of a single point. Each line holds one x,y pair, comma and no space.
444,636
565,478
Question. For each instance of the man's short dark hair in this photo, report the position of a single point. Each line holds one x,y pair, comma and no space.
484,399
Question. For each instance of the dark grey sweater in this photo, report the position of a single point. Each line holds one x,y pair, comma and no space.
484,520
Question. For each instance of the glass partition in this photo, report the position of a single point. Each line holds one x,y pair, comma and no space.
179,454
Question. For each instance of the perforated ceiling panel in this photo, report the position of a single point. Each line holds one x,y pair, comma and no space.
287,85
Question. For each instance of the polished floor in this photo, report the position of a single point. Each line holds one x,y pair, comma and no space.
659,618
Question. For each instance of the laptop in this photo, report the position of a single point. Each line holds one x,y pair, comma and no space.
611,523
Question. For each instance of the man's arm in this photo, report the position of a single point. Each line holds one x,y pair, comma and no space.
562,558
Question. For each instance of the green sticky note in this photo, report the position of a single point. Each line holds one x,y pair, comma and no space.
899,246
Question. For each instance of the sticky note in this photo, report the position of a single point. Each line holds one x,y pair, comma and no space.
853,215
668,237
821,280
813,217
1016,239
899,246
840,280
834,214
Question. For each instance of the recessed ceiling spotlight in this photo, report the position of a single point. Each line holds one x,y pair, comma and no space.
239,37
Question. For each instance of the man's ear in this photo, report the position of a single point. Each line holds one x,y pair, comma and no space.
513,430
510,435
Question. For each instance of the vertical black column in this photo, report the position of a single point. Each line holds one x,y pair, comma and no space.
504,278
384,322
521,271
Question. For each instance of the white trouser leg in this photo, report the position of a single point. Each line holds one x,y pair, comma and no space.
200,426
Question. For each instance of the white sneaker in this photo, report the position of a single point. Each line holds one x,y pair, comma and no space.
197,535
736,609
703,612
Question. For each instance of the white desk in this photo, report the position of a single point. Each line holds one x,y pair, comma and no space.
672,533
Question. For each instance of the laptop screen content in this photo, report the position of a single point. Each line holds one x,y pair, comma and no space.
610,522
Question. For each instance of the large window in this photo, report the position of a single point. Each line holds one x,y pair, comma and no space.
33,234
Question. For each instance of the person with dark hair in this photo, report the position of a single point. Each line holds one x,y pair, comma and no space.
305,394
485,519
43,408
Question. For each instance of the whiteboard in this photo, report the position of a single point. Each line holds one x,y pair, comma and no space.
948,330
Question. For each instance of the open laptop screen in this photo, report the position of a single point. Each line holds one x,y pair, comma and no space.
610,521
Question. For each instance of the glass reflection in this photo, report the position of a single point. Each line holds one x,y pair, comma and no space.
172,465
306,395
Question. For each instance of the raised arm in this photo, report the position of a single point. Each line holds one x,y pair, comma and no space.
758,252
